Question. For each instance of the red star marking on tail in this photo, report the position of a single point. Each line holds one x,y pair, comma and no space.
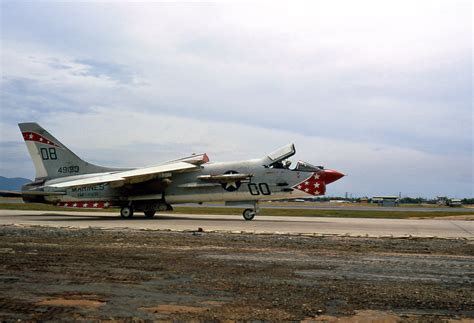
33,136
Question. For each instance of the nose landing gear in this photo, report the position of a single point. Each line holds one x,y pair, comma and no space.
249,214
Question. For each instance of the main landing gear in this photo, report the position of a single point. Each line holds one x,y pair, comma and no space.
126,212
150,213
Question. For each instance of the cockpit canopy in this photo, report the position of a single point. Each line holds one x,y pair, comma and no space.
307,167
277,159
278,156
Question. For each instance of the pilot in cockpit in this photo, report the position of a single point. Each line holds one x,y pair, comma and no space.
278,165
282,164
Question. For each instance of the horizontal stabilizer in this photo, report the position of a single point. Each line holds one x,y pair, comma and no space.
10,194
29,193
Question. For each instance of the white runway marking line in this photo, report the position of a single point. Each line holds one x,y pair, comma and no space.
458,226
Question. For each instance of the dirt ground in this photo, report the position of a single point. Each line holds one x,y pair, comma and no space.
65,274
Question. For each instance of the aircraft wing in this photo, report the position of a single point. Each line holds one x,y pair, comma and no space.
195,159
130,176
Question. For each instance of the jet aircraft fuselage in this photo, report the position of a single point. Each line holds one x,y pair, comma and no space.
64,179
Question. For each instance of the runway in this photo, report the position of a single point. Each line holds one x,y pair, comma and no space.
235,224
317,206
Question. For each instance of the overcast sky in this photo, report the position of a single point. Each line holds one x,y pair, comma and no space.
379,90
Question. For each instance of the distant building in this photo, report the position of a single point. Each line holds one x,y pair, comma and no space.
445,201
442,200
454,202
386,200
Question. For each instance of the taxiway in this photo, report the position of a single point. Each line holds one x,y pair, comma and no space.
363,227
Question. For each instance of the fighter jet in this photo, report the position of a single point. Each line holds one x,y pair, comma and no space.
64,179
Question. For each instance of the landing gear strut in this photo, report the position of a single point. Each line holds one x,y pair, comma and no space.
126,212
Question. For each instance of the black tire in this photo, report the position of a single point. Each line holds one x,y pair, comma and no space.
126,212
248,214
150,214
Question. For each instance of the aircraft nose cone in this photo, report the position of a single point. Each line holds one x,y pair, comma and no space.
329,175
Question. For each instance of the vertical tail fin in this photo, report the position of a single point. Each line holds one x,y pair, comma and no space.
51,158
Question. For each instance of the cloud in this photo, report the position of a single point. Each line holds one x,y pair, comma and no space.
142,139
52,81
364,76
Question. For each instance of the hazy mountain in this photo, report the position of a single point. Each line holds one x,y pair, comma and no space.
12,184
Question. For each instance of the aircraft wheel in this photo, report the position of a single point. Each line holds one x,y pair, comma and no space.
126,212
149,214
248,214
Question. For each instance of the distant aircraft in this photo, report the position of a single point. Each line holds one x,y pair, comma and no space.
63,179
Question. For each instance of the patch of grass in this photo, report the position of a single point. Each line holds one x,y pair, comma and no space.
342,205
318,213
263,212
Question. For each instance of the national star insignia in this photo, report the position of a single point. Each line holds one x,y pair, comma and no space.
231,184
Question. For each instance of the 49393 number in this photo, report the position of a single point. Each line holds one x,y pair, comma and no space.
68,169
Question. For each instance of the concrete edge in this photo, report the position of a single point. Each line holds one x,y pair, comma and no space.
243,232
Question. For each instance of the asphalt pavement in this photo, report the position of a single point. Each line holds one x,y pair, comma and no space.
446,228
